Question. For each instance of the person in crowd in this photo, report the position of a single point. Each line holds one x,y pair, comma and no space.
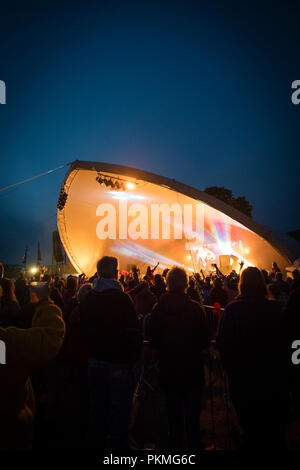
59,283
111,334
93,278
10,308
265,276
231,287
273,292
76,354
21,290
56,294
150,272
130,285
249,341
296,280
179,333
192,291
165,273
206,290
275,269
218,293
143,299
279,289
26,350
122,280
135,273
69,296
158,288
75,349
281,284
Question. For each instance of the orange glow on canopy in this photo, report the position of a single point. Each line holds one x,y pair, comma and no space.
152,223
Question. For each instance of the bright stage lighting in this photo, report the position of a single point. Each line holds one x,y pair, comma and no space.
33,270
145,218
129,185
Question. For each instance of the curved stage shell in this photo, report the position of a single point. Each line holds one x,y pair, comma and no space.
143,218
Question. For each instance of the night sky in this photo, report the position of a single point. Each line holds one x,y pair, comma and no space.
196,91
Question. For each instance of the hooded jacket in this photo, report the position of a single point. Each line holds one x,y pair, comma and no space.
109,324
26,349
178,329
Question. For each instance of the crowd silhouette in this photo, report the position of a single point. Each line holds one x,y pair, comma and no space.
81,352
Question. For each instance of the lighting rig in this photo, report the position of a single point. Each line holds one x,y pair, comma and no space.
62,199
116,184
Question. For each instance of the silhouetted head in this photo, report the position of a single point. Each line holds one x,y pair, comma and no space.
72,283
218,283
252,282
108,267
177,280
148,272
84,289
158,279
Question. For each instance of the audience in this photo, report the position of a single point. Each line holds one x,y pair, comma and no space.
179,332
106,319
250,344
26,350
113,341
218,293
10,307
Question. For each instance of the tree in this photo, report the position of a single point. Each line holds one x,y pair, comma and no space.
240,203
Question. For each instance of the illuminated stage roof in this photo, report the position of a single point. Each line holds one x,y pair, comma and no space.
142,218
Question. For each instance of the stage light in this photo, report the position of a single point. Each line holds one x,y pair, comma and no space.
100,180
113,183
62,199
33,270
129,185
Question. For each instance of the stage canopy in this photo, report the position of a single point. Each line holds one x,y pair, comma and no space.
143,218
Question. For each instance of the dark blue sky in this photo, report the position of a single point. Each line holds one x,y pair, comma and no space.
196,91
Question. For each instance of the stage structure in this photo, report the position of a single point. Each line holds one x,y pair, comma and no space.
142,218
